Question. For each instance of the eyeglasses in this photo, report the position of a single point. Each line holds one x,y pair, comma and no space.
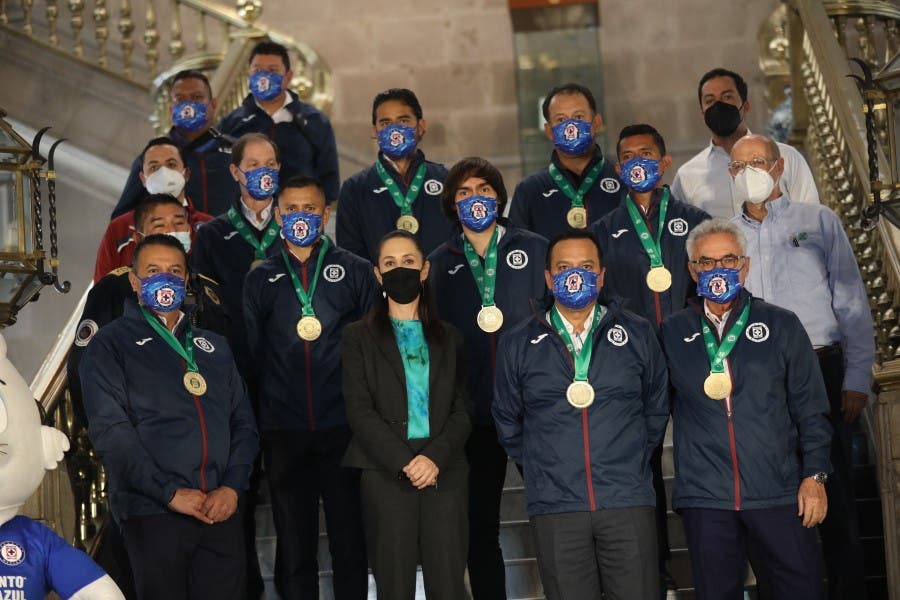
729,261
736,166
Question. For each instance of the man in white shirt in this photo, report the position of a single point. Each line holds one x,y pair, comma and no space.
704,180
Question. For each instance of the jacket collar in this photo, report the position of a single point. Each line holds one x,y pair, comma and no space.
133,312
295,106
695,303
554,158
510,233
417,158
541,306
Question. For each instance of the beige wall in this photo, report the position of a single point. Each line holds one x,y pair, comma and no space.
458,56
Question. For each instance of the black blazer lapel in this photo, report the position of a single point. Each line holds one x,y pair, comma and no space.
387,345
435,360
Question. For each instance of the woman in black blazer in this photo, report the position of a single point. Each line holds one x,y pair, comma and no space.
404,391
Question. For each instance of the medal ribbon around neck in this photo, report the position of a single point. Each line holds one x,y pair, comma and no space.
485,277
259,247
404,203
577,198
651,246
718,354
185,351
305,296
581,359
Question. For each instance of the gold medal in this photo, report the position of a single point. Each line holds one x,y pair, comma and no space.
717,386
659,279
580,394
309,328
577,217
490,319
256,263
194,383
408,223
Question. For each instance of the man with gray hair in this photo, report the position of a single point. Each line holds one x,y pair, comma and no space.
802,260
751,428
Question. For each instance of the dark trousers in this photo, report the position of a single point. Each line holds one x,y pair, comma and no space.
255,584
176,557
301,466
790,552
662,516
487,471
840,529
406,527
618,545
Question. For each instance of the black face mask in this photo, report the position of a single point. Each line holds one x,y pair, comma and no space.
401,284
722,118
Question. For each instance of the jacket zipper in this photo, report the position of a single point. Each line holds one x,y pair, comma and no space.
585,432
729,412
203,438
658,309
307,354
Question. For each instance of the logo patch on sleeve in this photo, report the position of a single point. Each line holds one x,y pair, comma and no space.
204,344
86,331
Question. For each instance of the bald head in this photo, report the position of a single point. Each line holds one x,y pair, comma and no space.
758,145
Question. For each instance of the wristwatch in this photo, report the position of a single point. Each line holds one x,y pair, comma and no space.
821,477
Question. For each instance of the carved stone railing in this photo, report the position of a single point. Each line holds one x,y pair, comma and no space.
829,122
145,42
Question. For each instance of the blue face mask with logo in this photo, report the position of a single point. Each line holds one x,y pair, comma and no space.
477,213
397,141
719,285
189,116
162,292
301,228
265,85
576,288
261,182
573,137
640,174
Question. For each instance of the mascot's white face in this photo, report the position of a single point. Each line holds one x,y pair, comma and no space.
27,449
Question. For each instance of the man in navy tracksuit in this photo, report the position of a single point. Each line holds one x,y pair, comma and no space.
302,418
169,416
580,184
302,133
401,190
580,401
473,196
752,436
206,150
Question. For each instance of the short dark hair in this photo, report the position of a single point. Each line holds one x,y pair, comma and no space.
739,82
473,166
162,141
237,150
407,97
298,182
573,234
428,314
641,129
271,48
158,239
568,88
150,202
193,74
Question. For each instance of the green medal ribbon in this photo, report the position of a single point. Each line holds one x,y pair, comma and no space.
718,354
304,296
651,246
243,228
577,198
485,277
582,359
185,351
404,203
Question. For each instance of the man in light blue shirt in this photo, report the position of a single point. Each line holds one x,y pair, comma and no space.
801,259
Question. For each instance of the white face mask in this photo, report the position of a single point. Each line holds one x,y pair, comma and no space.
182,236
165,181
753,185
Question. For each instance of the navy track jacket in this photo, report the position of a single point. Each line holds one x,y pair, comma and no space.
578,460
306,145
627,263
299,382
520,278
151,433
366,210
539,205
779,431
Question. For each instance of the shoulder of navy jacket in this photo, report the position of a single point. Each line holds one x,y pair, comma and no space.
119,271
225,141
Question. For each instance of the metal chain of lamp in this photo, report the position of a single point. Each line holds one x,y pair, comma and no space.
24,265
